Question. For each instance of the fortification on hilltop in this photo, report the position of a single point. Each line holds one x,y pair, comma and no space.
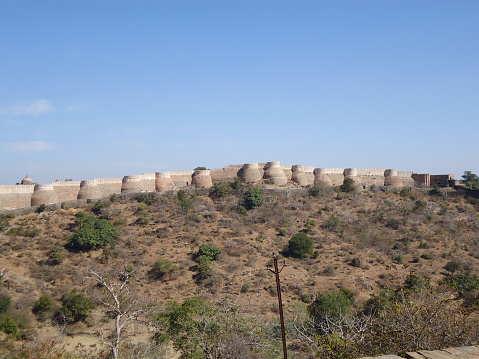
27,193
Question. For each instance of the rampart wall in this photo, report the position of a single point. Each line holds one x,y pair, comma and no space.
273,173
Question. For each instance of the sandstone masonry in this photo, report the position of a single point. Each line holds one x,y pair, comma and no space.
28,194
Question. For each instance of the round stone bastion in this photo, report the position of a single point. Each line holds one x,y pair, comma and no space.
250,173
163,182
43,194
132,184
275,174
299,176
202,179
88,190
321,178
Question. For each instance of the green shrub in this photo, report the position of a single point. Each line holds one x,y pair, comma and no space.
207,253
101,208
204,271
55,258
348,185
43,305
143,217
332,304
453,266
80,216
306,298
186,201
419,205
41,208
237,184
5,303
146,198
300,245
316,191
9,326
394,223
220,190
4,221
332,223
405,192
463,282
245,287
200,168
355,262
415,282
436,191
93,233
398,258
252,198
161,268
76,307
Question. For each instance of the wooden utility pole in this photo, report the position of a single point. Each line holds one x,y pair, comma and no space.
278,288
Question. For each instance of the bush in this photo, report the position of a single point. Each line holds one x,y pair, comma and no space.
207,253
453,266
200,168
4,221
93,233
41,208
76,307
237,184
415,282
332,304
316,191
204,271
436,191
101,208
348,185
419,205
332,223
300,245
220,189
144,198
9,326
463,282
55,258
186,201
355,262
143,217
5,303
252,198
405,192
161,268
43,305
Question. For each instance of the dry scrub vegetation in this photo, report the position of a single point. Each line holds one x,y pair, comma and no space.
185,274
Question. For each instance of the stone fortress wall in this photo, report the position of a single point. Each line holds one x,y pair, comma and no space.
29,194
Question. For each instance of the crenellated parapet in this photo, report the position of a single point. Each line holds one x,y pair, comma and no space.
273,173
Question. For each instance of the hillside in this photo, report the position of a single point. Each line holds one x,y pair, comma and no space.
364,241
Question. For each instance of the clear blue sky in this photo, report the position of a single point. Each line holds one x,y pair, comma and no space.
111,88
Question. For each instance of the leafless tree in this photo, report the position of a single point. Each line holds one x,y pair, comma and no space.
120,303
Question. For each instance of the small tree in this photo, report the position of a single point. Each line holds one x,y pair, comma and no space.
75,307
300,245
220,189
348,185
332,304
93,233
43,305
470,179
5,303
119,302
252,198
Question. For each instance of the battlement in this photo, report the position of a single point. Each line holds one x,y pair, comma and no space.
273,173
